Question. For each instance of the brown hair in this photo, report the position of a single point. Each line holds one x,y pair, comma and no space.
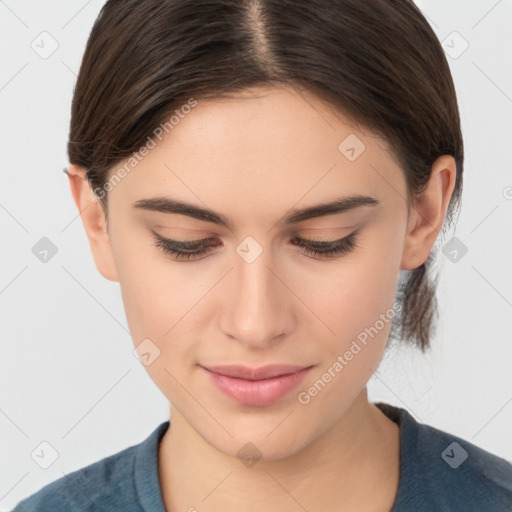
377,62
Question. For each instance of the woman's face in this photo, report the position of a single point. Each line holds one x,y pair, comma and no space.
255,297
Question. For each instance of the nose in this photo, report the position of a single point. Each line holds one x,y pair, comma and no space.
257,307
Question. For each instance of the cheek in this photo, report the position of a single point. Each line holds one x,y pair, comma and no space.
156,292
355,298
351,294
357,304
159,299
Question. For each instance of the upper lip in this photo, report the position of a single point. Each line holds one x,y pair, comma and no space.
263,372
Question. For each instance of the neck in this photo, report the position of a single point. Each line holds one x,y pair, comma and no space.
352,466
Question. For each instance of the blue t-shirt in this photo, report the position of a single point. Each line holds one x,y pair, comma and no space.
438,472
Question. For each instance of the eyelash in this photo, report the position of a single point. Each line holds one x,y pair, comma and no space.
327,250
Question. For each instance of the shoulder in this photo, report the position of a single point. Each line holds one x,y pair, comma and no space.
104,485
115,482
440,471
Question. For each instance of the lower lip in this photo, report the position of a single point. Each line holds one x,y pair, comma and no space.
257,393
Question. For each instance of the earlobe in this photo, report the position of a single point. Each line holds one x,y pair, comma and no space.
93,219
428,213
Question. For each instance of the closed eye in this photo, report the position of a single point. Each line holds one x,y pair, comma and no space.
187,250
328,249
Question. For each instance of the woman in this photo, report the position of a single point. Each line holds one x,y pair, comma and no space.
266,181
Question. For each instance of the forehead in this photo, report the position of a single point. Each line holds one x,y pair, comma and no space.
262,147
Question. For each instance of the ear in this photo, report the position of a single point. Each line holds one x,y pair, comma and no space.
428,213
94,222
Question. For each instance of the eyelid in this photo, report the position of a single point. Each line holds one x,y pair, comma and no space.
199,232
200,242
328,231
321,239
330,242
326,250
185,244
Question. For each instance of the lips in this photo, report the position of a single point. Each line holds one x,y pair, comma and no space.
263,372
256,387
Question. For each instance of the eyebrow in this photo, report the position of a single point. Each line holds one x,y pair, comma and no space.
169,205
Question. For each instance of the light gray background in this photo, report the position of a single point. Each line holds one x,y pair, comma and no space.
68,375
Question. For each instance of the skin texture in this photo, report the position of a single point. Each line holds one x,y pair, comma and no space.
253,159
